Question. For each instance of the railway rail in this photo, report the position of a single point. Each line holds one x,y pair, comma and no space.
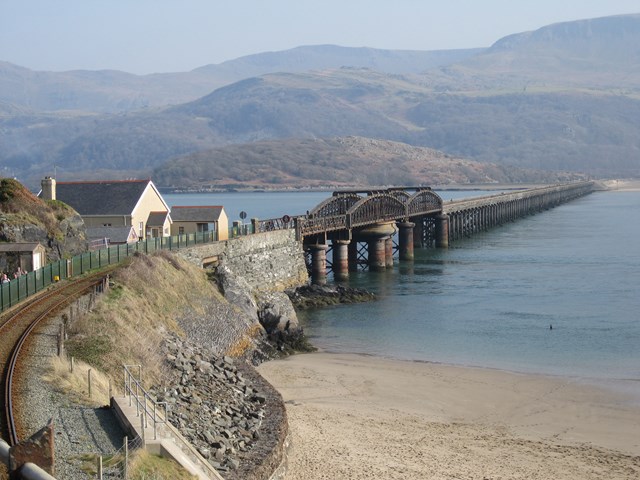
15,328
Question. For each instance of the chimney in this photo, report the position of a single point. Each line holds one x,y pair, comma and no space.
48,185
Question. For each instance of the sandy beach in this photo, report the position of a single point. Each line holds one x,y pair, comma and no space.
360,417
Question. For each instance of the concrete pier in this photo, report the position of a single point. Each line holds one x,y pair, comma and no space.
340,263
388,252
376,237
405,240
377,255
442,231
318,264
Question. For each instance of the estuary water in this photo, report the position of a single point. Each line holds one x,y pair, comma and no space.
556,293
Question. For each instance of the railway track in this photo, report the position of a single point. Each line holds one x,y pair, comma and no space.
15,328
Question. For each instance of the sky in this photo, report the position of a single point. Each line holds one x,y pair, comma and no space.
152,36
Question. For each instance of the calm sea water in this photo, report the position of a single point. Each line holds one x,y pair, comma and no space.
489,301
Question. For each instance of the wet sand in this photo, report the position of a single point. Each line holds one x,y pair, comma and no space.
360,417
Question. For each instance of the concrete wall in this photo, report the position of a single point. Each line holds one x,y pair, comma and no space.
270,261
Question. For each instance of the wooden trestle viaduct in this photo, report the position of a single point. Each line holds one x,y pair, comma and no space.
358,227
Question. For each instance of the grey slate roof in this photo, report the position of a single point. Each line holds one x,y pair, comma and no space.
115,234
204,214
101,197
157,219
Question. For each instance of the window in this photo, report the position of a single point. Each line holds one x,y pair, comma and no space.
180,230
141,230
202,227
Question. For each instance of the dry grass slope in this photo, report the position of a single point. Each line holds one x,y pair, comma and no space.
127,326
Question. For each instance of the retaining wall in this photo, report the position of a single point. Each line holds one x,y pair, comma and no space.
270,261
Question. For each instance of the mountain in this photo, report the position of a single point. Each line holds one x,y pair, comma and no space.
111,91
336,162
602,53
563,97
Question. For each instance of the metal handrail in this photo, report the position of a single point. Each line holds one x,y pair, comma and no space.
145,403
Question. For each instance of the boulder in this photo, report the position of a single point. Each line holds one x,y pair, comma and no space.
237,292
276,312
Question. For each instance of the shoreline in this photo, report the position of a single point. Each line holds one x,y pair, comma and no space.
627,387
360,416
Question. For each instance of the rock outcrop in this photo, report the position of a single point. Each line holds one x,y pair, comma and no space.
26,218
315,296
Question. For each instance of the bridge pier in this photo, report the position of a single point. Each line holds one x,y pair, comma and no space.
379,243
318,264
406,239
341,259
388,252
442,231
352,250
377,255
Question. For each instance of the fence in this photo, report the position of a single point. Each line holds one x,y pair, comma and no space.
18,289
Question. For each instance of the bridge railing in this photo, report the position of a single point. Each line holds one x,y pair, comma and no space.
272,224
314,225
466,203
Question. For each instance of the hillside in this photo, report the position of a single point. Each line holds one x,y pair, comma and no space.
564,97
26,218
333,163
111,91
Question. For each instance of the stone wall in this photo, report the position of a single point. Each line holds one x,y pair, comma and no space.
270,261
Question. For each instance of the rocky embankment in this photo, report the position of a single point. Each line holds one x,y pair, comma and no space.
220,404
316,296
232,416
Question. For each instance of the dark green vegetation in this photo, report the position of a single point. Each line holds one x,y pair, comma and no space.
563,98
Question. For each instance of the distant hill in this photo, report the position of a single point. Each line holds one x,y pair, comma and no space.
334,163
562,98
111,91
599,53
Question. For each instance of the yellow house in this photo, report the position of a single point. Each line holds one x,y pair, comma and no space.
199,219
115,203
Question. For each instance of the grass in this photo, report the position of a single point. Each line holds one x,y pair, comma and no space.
145,466
128,323
142,466
75,385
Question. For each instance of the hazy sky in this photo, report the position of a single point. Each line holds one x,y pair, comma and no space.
145,36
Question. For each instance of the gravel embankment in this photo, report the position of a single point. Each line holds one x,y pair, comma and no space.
224,407
80,430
